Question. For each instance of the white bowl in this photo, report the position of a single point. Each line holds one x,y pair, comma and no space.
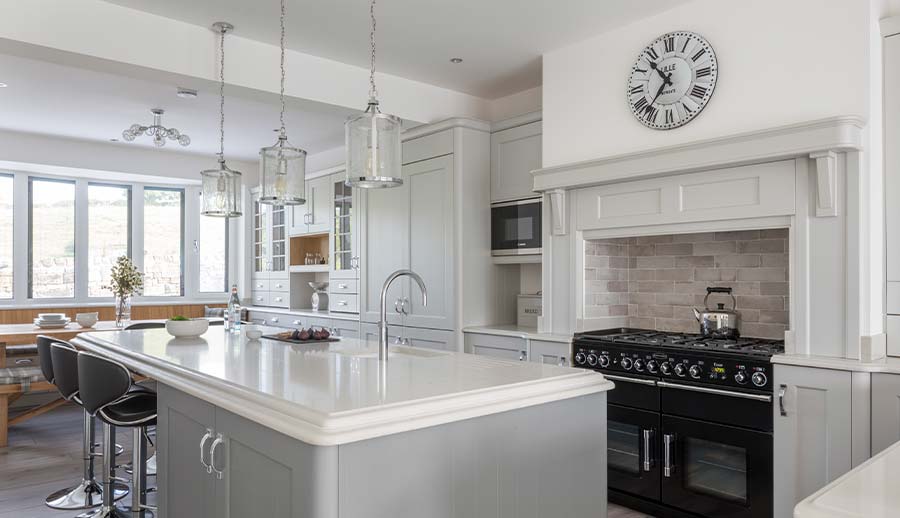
95,315
253,332
86,321
185,328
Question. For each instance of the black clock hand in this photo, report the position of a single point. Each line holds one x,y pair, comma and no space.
667,82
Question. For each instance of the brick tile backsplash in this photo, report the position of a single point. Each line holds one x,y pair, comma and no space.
653,281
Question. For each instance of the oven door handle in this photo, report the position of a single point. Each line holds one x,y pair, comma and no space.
648,451
626,379
720,392
668,446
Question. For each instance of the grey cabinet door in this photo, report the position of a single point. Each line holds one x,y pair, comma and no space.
430,242
508,347
812,441
319,201
429,338
385,239
265,473
885,410
515,152
185,487
345,328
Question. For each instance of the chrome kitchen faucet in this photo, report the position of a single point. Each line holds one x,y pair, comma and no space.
382,324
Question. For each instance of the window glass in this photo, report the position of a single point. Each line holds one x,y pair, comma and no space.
163,238
213,249
109,233
6,237
52,238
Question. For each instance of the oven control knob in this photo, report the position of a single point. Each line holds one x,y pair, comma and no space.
639,365
652,366
665,368
696,371
626,363
741,377
580,358
680,370
592,360
604,361
759,379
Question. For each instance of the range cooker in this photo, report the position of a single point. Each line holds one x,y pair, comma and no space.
689,423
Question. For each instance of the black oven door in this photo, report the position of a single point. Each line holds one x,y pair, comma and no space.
714,470
516,227
632,451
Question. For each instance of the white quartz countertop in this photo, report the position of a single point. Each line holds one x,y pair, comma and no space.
868,491
889,364
305,313
525,333
339,392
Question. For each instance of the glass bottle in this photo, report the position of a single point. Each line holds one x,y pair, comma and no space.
233,312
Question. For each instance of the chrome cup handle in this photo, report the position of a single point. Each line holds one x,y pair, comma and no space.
207,436
212,455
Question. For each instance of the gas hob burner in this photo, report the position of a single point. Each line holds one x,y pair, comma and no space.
662,339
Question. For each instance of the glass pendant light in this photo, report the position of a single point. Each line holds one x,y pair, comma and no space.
282,167
221,187
373,139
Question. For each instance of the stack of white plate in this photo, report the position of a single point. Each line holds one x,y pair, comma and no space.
51,320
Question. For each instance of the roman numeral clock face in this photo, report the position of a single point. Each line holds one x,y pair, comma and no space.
672,80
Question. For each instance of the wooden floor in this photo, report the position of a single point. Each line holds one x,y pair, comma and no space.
44,455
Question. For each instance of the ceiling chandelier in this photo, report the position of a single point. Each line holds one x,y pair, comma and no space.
282,167
373,138
156,130
221,187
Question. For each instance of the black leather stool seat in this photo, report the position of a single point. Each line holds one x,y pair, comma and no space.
136,408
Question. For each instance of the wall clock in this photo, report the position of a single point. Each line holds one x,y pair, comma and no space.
672,80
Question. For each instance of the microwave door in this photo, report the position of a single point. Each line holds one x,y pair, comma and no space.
516,228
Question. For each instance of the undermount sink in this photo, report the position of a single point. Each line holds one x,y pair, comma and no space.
394,352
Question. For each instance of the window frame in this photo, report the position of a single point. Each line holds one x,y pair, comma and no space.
87,211
190,227
15,270
30,244
226,221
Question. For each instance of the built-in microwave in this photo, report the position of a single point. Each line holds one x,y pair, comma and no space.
516,227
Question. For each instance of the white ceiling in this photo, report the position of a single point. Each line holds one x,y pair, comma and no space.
501,41
48,98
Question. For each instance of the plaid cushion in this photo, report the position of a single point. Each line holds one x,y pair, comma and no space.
17,375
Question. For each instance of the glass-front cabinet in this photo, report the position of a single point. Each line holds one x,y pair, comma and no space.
345,239
270,247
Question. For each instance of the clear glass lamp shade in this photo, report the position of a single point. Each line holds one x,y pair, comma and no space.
373,149
221,189
282,174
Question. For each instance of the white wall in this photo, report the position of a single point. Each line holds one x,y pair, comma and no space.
779,62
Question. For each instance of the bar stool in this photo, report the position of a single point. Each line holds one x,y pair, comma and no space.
151,462
106,392
87,493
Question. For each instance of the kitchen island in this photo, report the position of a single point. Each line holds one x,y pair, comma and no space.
269,428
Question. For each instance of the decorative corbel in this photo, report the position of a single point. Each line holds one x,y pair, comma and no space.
826,183
557,212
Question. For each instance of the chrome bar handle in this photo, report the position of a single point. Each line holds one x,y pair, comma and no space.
648,458
668,466
781,390
397,305
212,455
206,437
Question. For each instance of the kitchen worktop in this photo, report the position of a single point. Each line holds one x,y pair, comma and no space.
888,364
523,332
868,491
339,392
305,313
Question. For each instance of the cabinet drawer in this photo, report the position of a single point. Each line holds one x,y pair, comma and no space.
260,298
339,286
496,352
429,146
282,285
491,342
892,329
270,319
279,299
553,353
260,284
893,298
344,303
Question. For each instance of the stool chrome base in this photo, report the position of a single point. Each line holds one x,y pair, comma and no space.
106,512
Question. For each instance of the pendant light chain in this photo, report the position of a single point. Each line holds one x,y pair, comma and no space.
283,131
222,95
373,92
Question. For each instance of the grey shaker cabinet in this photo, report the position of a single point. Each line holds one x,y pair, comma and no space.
515,152
885,410
813,436
546,351
313,217
254,471
508,347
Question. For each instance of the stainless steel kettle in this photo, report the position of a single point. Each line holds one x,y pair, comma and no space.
719,322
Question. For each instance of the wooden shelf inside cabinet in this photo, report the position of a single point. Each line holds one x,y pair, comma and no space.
309,244
304,268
